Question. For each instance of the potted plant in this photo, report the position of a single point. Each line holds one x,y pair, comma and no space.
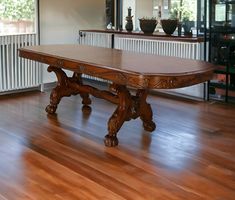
187,23
148,25
184,15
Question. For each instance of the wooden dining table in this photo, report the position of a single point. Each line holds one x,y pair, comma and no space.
123,70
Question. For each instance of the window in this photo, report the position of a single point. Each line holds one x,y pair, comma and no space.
184,9
220,12
17,16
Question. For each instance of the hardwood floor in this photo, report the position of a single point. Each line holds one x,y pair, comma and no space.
190,155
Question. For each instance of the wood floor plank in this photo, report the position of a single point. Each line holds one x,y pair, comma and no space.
30,175
190,155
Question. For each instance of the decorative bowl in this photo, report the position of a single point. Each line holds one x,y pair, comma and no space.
169,25
148,25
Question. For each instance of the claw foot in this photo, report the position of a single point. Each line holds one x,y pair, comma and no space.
110,141
149,126
51,109
86,109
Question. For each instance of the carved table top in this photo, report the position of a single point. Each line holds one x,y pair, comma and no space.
122,67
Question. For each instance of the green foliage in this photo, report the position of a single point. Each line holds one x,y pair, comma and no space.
17,9
181,12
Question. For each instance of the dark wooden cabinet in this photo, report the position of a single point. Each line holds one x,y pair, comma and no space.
221,36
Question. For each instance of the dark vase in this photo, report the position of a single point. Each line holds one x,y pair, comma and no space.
129,25
148,25
169,25
187,25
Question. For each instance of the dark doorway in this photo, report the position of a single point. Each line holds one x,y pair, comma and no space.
109,12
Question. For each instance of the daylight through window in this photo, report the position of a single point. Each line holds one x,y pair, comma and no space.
17,16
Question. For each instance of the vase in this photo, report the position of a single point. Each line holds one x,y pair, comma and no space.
187,25
129,25
169,25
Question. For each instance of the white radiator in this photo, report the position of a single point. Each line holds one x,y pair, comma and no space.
15,72
190,50
95,39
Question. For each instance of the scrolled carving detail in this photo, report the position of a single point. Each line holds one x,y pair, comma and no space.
146,82
81,69
166,82
60,63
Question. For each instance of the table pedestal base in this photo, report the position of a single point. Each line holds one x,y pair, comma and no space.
128,106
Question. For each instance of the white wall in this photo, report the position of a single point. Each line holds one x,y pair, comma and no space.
144,8
61,20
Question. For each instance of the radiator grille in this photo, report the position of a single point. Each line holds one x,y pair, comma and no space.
15,72
95,39
161,47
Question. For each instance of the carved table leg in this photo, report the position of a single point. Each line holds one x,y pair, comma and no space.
146,114
64,88
86,101
54,101
129,107
120,115
59,91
